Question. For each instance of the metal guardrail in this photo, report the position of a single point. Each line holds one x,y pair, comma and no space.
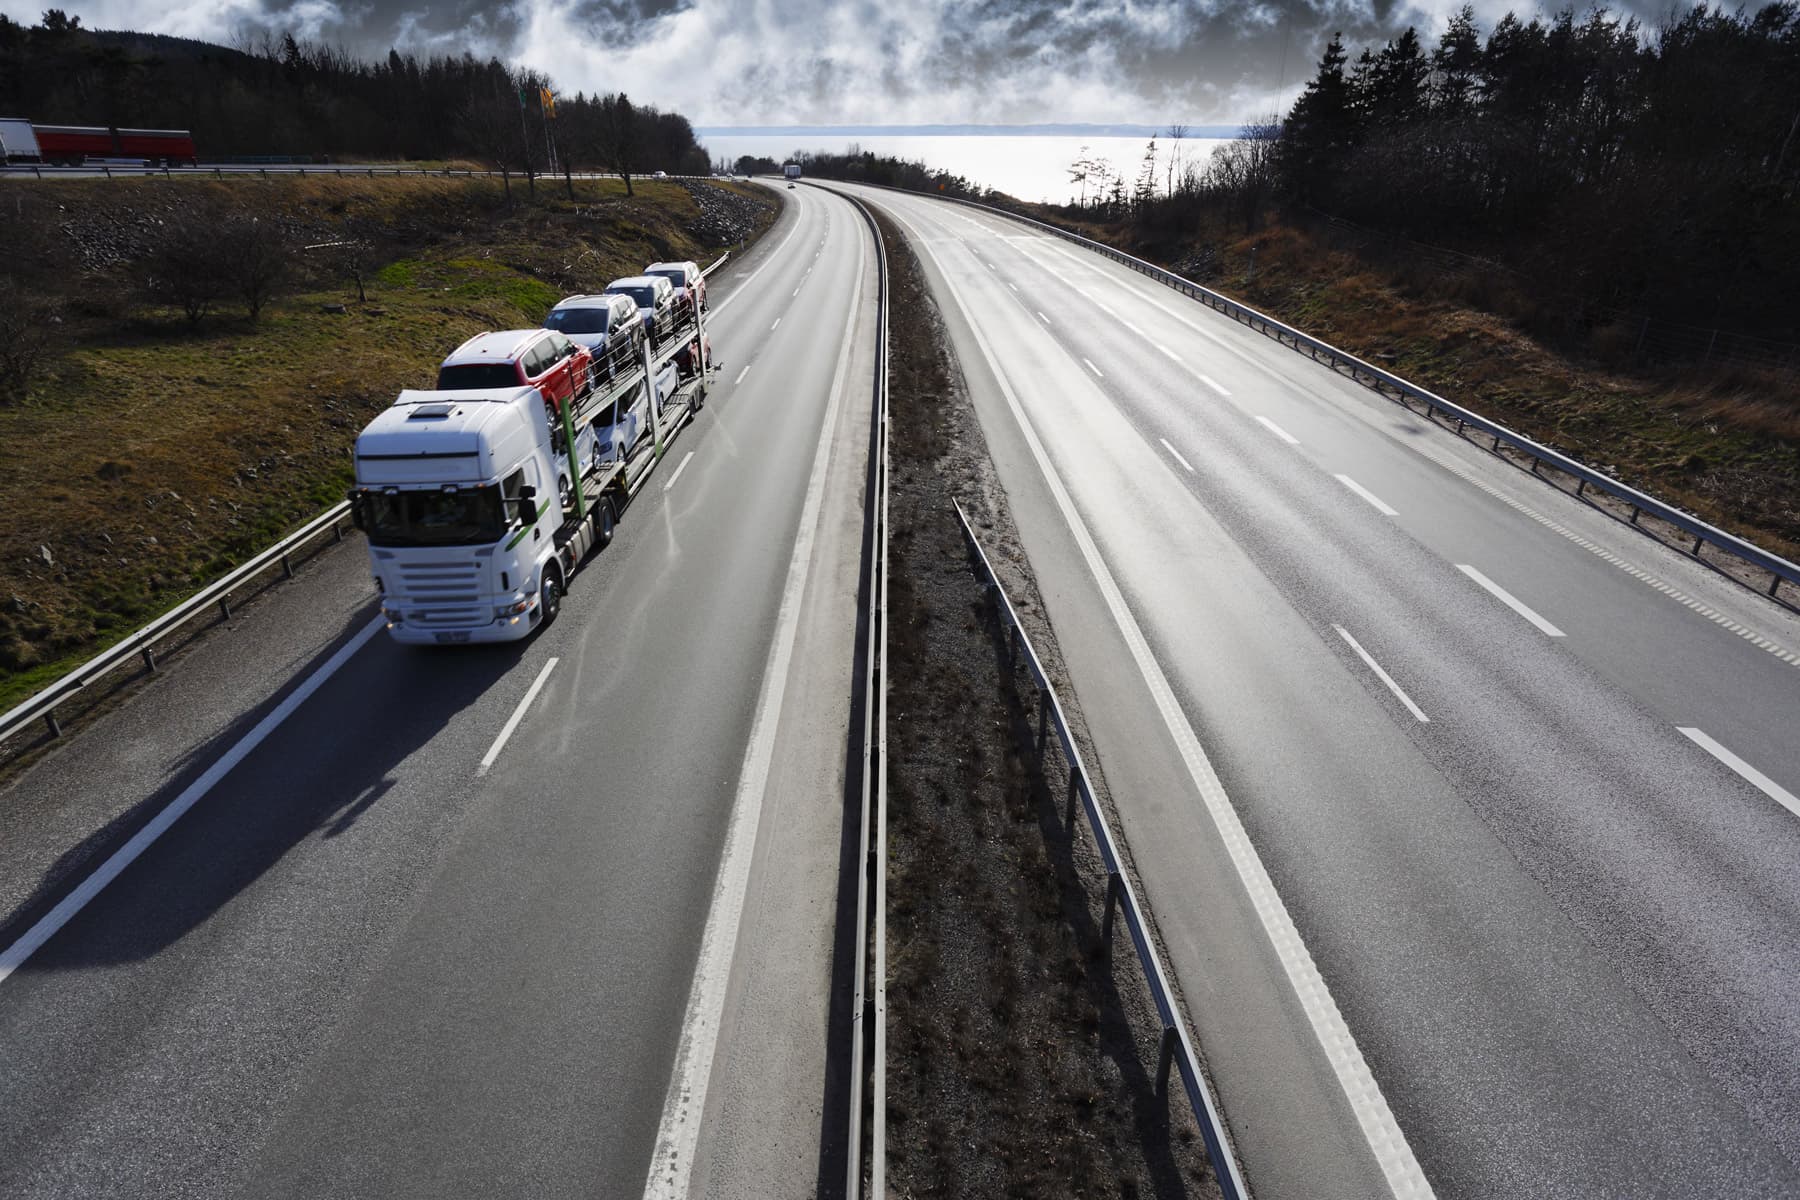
1177,1048
142,643
220,170
867,1140
1780,569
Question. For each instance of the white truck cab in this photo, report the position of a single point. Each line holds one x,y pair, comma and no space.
458,494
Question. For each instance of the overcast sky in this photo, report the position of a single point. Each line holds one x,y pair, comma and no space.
840,62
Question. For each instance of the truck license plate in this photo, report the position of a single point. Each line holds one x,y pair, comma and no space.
459,635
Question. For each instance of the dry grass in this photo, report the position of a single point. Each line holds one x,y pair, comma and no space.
1723,445
149,458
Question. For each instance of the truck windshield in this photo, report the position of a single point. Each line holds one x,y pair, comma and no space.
469,517
475,377
576,320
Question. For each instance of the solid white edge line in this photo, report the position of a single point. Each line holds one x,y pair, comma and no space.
1376,502
1278,431
678,1132
518,714
1511,601
1214,384
1172,450
1383,675
1386,1141
740,375
679,468
1754,777
1093,368
47,925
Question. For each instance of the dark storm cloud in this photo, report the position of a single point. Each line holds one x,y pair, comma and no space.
858,61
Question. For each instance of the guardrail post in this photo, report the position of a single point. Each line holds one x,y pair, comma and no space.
1774,585
287,568
1635,513
1165,1058
1580,487
1698,542
1534,464
50,720
337,532
225,607
1115,888
1043,722
149,659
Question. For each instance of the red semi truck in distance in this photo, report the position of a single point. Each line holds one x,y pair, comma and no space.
73,145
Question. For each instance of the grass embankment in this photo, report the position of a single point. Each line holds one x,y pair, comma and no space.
1725,445
150,457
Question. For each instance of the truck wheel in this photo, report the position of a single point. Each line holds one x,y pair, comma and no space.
609,521
550,596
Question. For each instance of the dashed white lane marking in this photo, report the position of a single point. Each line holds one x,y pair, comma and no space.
740,375
1756,778
684,1105
1375,501
1511,601
1172,450
1043,318
1012,285
1093,368
1636,572
1214,384
1374,666
47,925
1168,353
1278,431
1386,1140
796,293
679,468
772,328
518,714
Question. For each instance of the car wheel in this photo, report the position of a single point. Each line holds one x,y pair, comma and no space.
550,593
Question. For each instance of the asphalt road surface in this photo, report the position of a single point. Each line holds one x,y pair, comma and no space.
391,952
1467,814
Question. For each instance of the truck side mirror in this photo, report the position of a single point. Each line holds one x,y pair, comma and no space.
528,512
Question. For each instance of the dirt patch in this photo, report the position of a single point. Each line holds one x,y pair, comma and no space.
1022,1051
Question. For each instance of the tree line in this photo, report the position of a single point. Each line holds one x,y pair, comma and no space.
281,96
1616,167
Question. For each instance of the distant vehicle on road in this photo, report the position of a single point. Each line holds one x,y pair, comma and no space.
791,170
688,282
540,358
660,175
655,298
610,326
74,145
17,143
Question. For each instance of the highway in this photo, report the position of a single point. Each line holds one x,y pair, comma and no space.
1467,815
515,920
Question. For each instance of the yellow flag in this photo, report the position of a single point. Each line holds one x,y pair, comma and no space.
549,101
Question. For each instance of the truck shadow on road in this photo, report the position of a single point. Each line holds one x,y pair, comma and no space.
314,777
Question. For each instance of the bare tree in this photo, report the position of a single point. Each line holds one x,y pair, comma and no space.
486,124
1175,134
619,137
256,258
182,267
27,337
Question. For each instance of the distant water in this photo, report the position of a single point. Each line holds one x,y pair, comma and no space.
1029,167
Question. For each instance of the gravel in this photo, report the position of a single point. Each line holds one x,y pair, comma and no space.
1022,1050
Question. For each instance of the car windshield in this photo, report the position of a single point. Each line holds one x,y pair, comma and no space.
576,320
470,377
676,277
467,517
645,296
